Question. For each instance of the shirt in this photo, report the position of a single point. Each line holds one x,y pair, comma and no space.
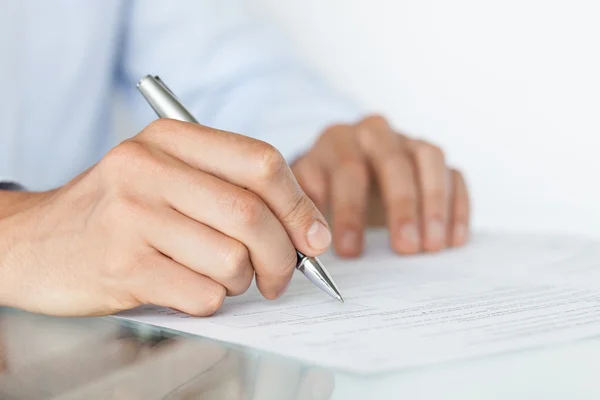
62,61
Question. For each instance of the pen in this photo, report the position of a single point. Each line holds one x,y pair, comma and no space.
166,105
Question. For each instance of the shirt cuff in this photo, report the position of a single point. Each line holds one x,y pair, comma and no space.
6,184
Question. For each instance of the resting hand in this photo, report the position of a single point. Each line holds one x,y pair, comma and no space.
367,173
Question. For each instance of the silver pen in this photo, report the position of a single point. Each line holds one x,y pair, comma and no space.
166,105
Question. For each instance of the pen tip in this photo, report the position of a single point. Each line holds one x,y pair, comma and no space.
340,298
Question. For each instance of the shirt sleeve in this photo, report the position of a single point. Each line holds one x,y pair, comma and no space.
231,69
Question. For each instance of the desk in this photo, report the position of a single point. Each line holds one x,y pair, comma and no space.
102,358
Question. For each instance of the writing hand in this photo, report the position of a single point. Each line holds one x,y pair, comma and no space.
181,215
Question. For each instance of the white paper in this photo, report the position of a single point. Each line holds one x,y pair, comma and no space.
501,293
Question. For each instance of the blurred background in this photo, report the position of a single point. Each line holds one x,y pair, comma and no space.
511,91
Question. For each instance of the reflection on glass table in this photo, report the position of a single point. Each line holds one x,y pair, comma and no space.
51,358
103,358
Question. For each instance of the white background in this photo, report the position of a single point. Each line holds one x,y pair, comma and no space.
511,89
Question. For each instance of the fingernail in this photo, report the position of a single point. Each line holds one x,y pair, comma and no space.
318,236
460,234
436,234
349,241
410,238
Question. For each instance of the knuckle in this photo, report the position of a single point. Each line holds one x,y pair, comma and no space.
236,260
348,217
435,199
159,127
333,131
123,265
271,163
121,210
241,285
195,180
355,168
247,208
212,304
406,203
244,285
130,155
301,210
373,132
425,150
365,136
375,121
396,162
124,153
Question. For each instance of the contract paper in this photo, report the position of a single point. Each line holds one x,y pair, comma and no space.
500,293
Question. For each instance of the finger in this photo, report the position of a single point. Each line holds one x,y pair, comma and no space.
312,178
316,384
201,248
251,164
237,213
164,282
349,188
395,175
433,182
459,217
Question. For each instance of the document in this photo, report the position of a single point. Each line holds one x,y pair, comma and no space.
500,293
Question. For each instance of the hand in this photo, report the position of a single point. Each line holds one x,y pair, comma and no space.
178,216
367,173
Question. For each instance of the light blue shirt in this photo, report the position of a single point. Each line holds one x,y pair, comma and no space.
61,60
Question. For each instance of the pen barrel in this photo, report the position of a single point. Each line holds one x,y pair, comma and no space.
162,100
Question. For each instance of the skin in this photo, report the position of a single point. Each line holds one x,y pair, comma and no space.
161,219
368,174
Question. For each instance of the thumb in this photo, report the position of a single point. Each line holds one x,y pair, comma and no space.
312,178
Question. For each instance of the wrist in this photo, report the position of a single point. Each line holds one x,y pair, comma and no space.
12,202
13,205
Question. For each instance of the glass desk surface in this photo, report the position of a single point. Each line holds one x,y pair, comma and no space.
104,358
